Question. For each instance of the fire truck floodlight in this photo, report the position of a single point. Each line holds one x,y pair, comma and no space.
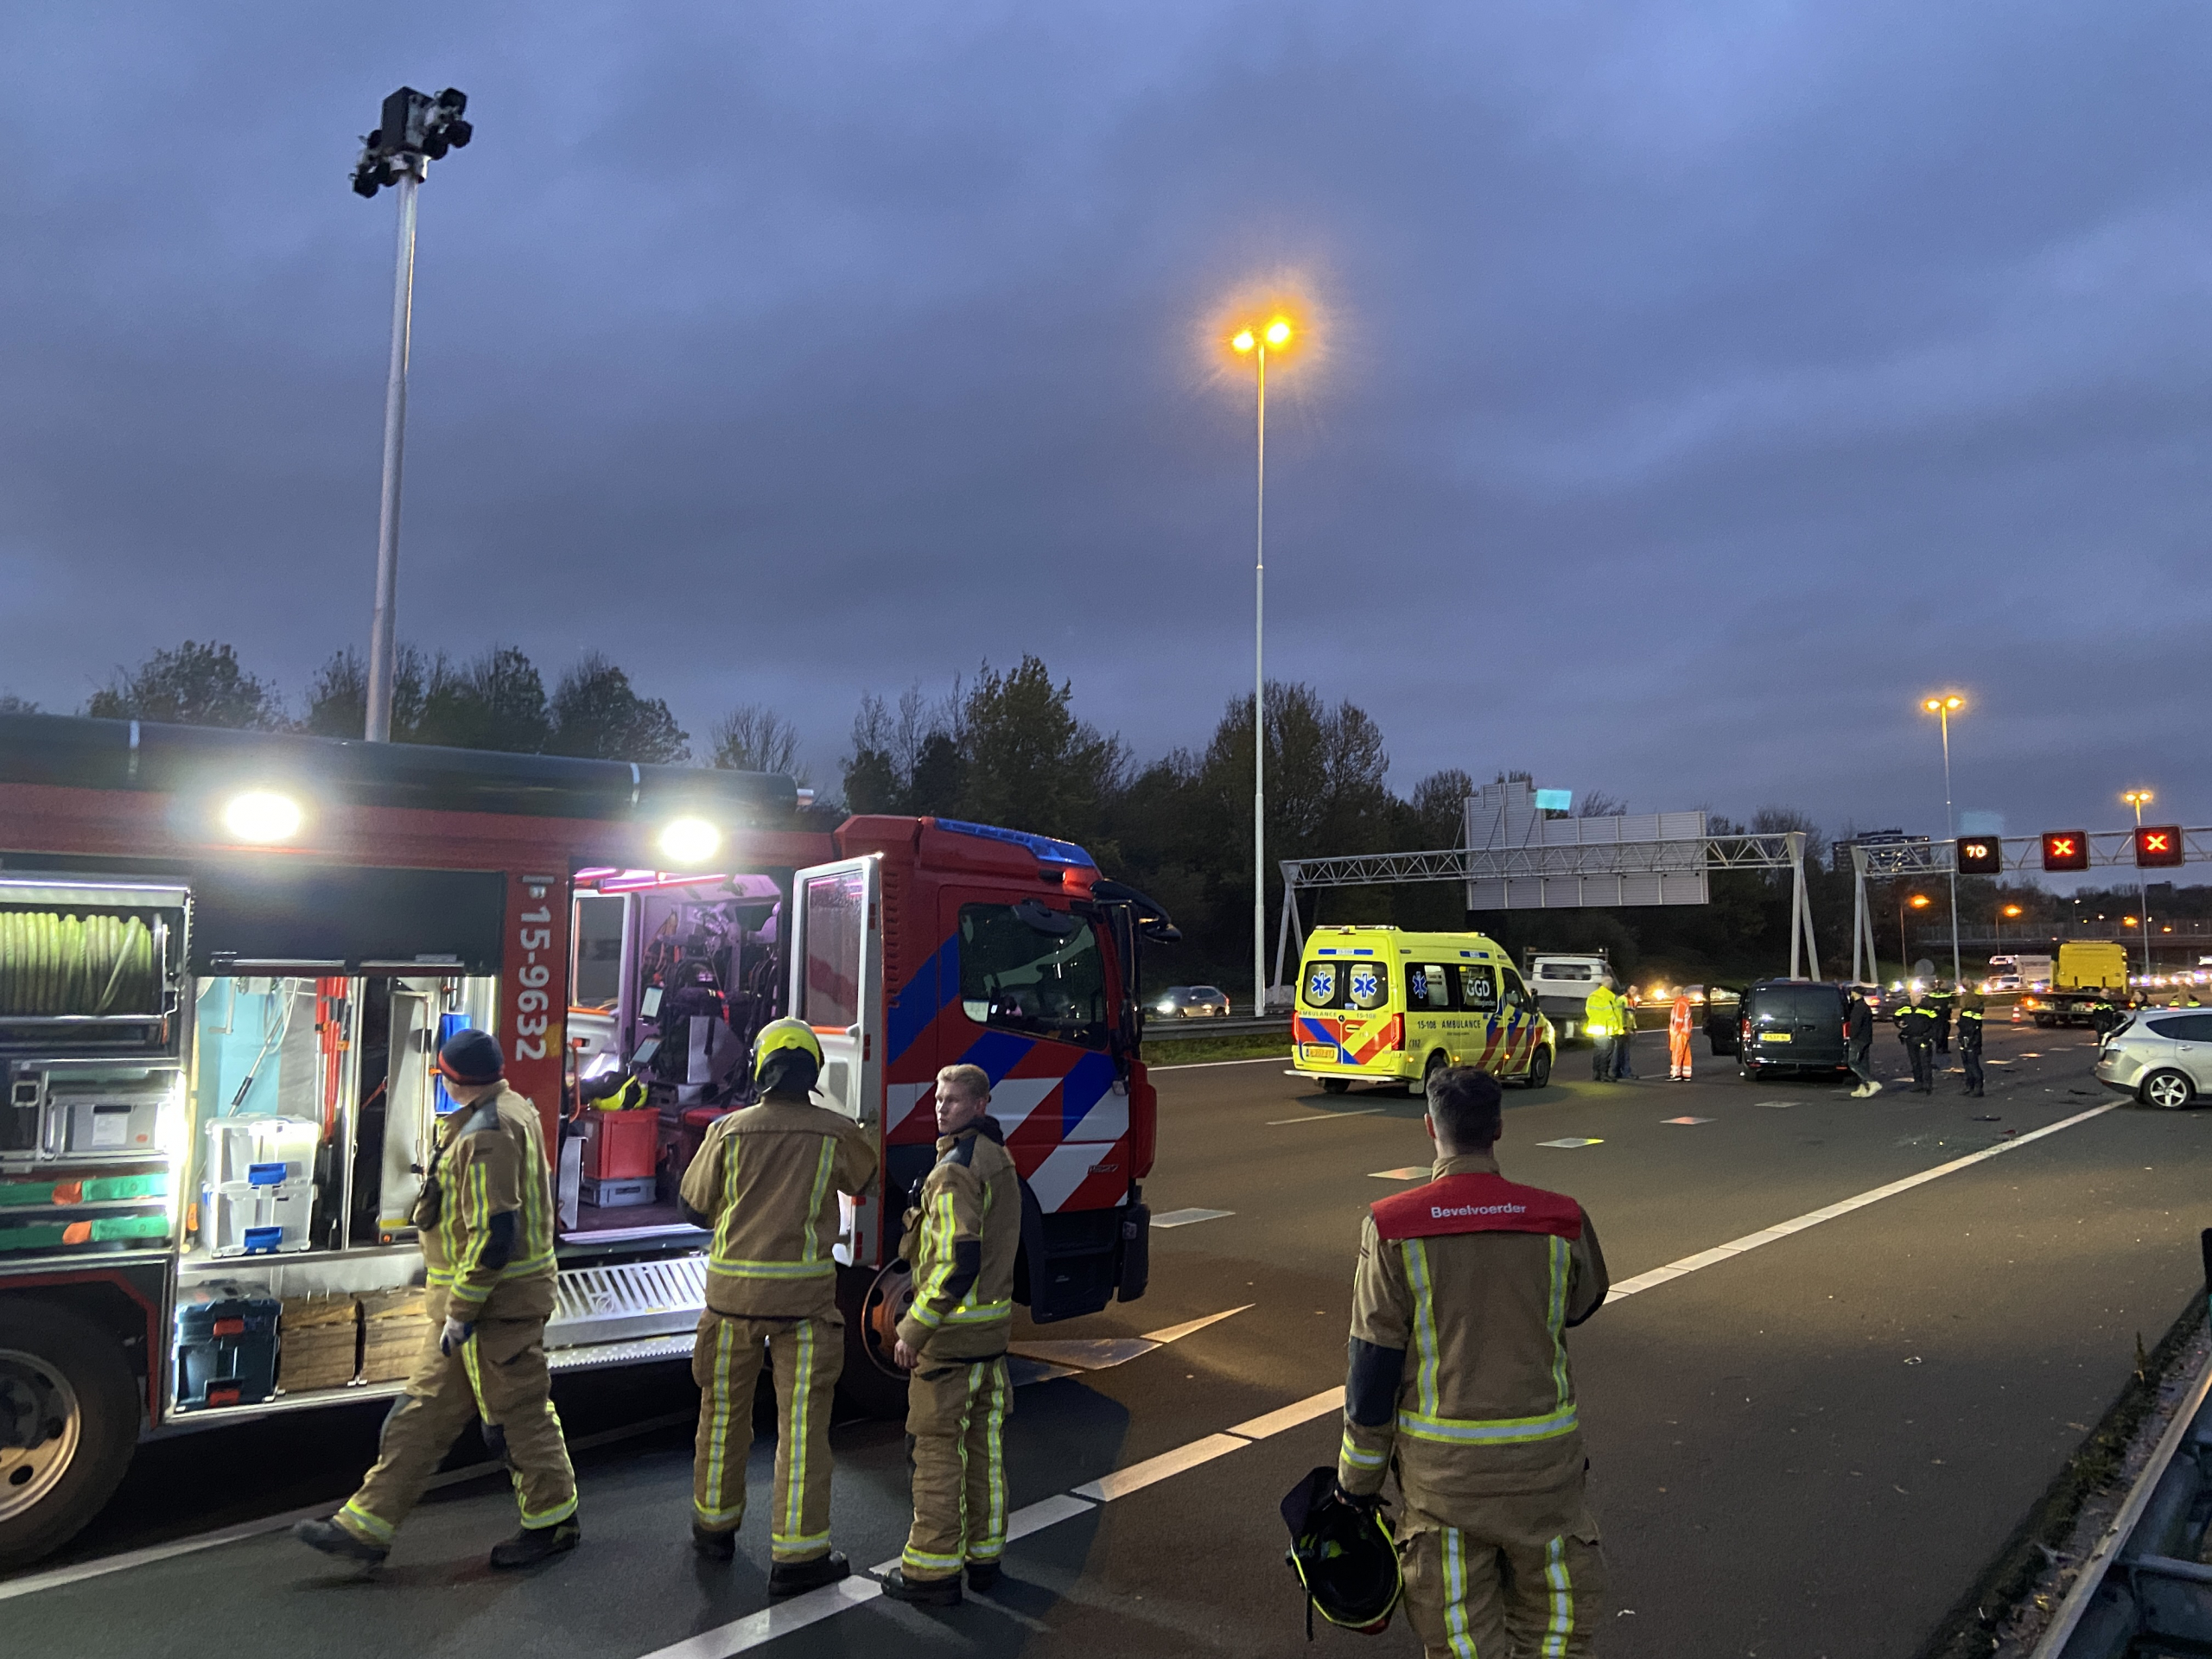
690,840
263,816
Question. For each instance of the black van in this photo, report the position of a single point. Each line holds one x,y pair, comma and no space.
1785,1026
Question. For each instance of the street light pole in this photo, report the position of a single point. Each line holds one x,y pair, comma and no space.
383,642
1256,339
2139,798
1260,709
1942,708
415,129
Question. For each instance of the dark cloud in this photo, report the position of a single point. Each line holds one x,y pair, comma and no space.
1697,386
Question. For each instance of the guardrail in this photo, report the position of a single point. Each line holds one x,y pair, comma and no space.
2144,1583
1167,1027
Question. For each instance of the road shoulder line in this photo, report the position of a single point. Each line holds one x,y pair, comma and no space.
1781,1230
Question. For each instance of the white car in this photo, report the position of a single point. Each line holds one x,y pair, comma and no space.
2161,1056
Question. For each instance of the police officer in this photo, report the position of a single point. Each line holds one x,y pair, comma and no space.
1940,1000
2104,1015
764,1182
1601,1018
1971,1009
1459,1374
961,1238
486,1215
1915,1022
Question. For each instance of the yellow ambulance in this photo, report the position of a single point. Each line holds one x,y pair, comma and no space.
1377,1005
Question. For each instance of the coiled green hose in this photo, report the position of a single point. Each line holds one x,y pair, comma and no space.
55,964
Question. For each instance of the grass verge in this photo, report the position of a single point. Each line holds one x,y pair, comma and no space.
1971,1627
1190,1051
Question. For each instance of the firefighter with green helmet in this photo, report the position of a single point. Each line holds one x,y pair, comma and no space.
764,1183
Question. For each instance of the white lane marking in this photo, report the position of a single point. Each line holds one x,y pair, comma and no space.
1176,1332
1719,1253
778,1618
1322,1117
1290,1416
1778,1105
1406,1174
1049,1512
1138,1475
1573,1140
1185,1217
31,1584
1686,1119
1104,1353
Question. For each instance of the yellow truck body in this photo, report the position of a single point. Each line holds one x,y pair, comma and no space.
2090,965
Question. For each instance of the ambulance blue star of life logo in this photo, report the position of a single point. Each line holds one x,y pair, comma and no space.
1322,985
1364,985
1417,985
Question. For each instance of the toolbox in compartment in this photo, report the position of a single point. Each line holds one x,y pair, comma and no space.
621,1147
622,1194
85,1111
259,1196
226,1352
239,1149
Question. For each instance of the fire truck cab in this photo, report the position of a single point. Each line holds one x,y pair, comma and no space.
227,961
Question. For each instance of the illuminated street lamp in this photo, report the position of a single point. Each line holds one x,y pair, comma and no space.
1253,340
2139,798
2010,912
1943,706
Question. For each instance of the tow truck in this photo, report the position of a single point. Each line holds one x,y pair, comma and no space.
226,962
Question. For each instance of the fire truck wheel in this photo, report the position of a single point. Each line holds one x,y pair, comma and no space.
872,1301
68,1424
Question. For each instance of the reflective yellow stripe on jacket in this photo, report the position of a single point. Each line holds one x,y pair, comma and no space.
939,1228
1428,1422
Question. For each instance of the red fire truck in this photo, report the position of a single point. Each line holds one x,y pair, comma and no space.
227,959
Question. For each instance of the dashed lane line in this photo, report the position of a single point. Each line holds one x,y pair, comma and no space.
1719,1253
1187,1218
1322,1117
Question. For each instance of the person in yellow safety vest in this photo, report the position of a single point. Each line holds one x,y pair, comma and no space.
962,1237
1678,1038
764,1183
1601,1018
1458,1378
486,1218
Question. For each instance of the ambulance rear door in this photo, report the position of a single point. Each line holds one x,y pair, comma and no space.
837,961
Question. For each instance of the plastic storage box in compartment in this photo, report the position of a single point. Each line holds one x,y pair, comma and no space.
238,1146
226,1352
621,1146
243,1218
78,1111
619,1195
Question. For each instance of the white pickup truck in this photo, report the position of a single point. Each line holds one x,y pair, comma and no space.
1562,983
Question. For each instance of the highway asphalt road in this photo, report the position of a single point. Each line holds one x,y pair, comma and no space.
1807,1448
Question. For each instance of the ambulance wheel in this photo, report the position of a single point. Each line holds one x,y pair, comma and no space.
872,1301
1435,1063
69,1416
1335,1085
1539,1069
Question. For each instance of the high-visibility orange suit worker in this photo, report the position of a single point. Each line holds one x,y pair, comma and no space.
1459,1375
486,1219
1678,1038
766,1183
962,1239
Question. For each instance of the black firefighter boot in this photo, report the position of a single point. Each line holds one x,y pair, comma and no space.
794,1578
535,1544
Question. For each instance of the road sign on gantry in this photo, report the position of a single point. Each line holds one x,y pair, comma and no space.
1980,855
2066,849
2158,845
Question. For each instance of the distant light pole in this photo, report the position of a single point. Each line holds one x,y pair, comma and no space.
2009,910
414,130
1253,340
1943,707
2139,798
1918,901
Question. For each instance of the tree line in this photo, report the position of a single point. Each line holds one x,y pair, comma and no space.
1007,747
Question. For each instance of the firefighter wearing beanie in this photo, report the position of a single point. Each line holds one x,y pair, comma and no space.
486,1215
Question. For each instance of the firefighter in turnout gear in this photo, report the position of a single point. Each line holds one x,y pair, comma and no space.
486,1215
960,1239
764,1183
1915,1022
1459,1376
1971,1009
